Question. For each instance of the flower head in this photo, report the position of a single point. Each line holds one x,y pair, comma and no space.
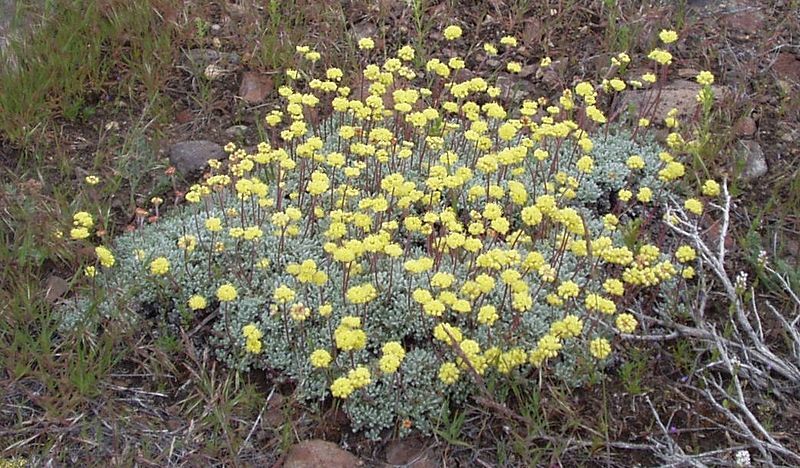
342,387
711,188
705,78
668,36
448,373
366,43
252,336
105,256
452,32
197,302
600,348
226,293
159,266
320,358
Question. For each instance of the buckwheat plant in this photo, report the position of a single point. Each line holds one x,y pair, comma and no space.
425,237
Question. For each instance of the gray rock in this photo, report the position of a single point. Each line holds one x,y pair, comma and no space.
788,133
202,58
755,162
190,157
511,89
236,131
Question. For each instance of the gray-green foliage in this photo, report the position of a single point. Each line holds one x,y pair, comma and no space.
414,393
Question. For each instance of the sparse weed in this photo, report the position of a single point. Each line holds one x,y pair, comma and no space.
62,68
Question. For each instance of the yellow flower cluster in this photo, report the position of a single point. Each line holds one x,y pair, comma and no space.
600,348
307,272
452,32
159,266
362,294
357,378
105,256
449,373
284,294
685,254
320,358
197,302
252,336
393,355
226,293
82,222
711,188
348,335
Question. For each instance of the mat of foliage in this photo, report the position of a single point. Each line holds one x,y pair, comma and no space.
429,237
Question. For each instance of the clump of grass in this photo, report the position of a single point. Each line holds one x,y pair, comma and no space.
62,67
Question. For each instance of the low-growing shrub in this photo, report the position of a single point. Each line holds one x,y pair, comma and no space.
422,239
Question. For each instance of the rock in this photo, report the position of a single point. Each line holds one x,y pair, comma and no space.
212,72
699,4
493,62
316,453
680,94
184,116
254,87
364,29
745,127
274,416
8,14
755,163
787,132
192,156
236,131
787,67
549,77
745,22
237,12
511,89
409,452
55,288
201,58
534,30
527,71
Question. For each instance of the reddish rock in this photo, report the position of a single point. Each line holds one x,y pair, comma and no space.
410,452
319,453
55,288
680,94
747,22
255,87
184,116
745,127
787,67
